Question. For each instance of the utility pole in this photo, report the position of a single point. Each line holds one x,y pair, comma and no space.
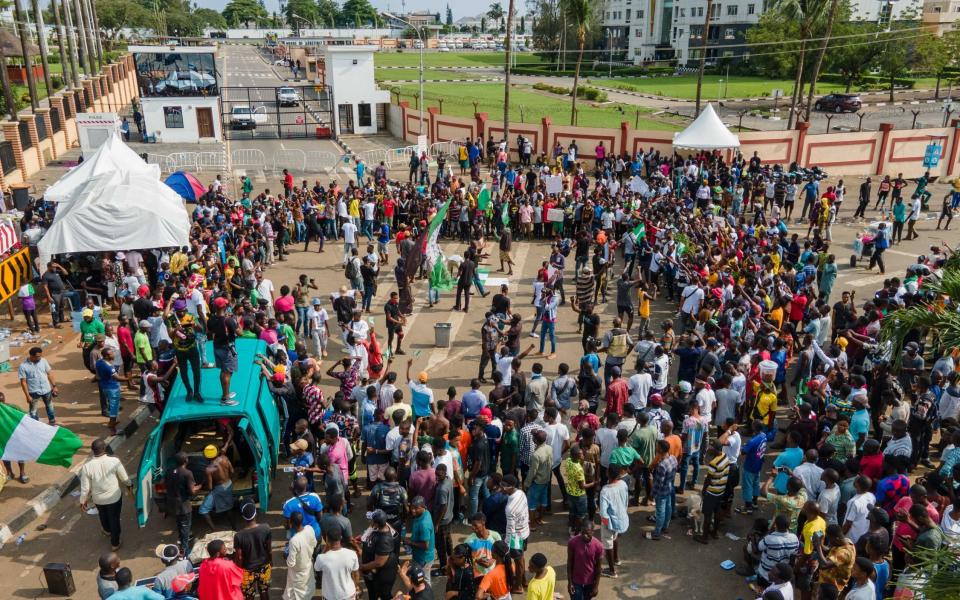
21,18
507,46
42,43
703,54
68,76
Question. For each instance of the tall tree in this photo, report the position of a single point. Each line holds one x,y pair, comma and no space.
851,59
508,50
449,20
579,14
496,13
115,15
898,54
300,13
42,43
936,54
357,13
327,11
25,51
831,17
68,77
9,102
210,18
245,12
703,53
805,13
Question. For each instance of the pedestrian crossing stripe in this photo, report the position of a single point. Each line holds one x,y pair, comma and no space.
14,272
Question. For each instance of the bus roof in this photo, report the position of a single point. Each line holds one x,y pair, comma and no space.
247,382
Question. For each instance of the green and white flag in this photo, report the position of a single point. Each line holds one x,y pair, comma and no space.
26,439
505,214
433,247
640,231
440,278
483,198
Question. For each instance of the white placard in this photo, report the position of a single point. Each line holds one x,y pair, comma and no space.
639,186
555,215
554,184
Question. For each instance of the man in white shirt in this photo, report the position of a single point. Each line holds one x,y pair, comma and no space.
558,436
855,522
265,290
690,299
606,438
340,566
317,319
100,480
639,386
349,239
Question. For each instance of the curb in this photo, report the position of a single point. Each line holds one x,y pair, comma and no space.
50,497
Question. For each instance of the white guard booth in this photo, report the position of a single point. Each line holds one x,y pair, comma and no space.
112,155
707,132
96,128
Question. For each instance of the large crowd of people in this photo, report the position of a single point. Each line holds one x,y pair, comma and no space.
765,383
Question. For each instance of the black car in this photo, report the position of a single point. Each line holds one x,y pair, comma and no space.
839,103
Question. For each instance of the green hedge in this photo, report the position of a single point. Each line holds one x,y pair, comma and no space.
870,81
583,91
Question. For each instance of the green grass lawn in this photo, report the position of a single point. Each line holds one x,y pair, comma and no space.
432,58
412,74
458,99
685,86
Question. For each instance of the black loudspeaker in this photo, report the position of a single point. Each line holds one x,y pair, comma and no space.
59,579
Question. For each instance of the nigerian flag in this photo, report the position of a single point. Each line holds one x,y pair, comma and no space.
505,214
23,438
433,233
640,231
483,198
440,278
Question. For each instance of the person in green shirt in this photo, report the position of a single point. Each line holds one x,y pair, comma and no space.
509,447
89,329
899,218
290,336
247,187
644,441
624,456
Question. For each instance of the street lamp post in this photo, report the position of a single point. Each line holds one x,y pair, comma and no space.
423,43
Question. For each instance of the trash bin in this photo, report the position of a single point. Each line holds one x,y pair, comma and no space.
441,335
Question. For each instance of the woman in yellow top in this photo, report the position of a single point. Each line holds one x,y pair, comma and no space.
541,586
353,209
644,311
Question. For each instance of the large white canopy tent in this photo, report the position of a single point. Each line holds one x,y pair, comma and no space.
113,155
707,132
117,211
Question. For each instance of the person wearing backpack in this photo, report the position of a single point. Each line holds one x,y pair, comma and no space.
617,343
391,498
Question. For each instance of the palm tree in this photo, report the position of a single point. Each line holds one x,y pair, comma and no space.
703,53
496,13
8,99
834,5
806,13
42,42
506,78
928,317
21,17
578,13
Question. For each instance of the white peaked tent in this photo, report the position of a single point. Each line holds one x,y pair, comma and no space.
115,211
706,132
112,156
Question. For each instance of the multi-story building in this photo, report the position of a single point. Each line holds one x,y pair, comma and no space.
882,11
941,16
729,22
637,30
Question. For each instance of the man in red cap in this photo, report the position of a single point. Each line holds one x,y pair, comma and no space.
223,332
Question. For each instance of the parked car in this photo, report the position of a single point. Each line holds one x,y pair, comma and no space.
287,96
839,103
244,117
443,49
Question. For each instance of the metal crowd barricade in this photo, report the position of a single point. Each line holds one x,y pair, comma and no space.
248,158
320,161
165,163
185,161
293,159
212,161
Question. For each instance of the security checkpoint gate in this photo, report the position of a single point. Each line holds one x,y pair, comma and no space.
281,112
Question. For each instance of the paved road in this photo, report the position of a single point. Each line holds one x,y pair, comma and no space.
649,569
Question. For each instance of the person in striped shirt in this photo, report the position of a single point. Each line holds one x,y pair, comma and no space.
714,487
